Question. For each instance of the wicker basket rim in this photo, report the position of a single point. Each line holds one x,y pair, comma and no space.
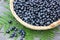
53,25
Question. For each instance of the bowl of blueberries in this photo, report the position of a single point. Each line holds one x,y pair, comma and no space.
36,14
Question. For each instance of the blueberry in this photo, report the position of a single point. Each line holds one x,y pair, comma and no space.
48,22
22,32
19,31
15,29
12,28
29,10
8,31
48,10
9,21
41,22
23,36
48,16
13,35
43,0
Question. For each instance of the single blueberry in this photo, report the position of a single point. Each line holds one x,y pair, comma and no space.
10,21
15,29
8,31
12,28
22,32
13,35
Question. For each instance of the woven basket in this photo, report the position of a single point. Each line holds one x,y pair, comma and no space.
53,25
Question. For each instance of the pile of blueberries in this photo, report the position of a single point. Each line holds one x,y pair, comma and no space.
37,12
16,32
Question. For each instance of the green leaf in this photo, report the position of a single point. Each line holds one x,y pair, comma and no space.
6,28
7,6
29,37
9,14
4,21
1,26
7,1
